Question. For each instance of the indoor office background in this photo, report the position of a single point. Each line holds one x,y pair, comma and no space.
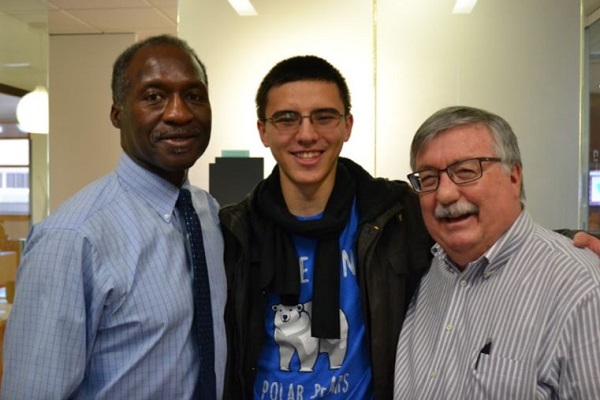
530,61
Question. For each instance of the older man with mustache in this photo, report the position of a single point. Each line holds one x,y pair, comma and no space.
508,310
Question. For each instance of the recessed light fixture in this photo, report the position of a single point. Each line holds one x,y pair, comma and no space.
243,7
463,6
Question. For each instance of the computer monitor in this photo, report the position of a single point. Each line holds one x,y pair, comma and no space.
594,189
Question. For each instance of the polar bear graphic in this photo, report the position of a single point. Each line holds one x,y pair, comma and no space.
293,334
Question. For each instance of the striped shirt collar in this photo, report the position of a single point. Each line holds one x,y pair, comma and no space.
154,190
497,255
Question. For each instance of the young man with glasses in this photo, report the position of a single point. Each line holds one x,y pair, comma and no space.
508,309
321,258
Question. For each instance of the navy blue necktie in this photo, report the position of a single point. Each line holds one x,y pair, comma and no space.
203,321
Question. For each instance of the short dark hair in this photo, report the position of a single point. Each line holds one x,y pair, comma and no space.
120,82
300,68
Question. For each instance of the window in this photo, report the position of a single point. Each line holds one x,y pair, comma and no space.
14,176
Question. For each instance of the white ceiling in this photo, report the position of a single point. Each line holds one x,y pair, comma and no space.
143,17
590,8
62,17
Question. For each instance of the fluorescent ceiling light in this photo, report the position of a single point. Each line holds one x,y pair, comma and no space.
243,7
16,65
463,6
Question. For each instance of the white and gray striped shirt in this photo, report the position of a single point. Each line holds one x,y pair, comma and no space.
521,322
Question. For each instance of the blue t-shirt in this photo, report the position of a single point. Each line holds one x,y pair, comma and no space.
293,365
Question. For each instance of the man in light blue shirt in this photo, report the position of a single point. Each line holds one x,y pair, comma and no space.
508,310
104,300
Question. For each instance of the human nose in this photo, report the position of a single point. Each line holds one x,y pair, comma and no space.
306,130
177,110
447,191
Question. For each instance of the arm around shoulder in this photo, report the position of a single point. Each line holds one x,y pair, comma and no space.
580,346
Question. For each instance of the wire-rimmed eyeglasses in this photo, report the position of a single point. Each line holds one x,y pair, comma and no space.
460,172
290,121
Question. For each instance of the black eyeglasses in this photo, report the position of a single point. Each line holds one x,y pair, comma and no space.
288,122
460,172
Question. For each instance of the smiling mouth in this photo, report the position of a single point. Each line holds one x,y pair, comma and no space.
177,134
307,155
456,218
178,144
178,141
177,138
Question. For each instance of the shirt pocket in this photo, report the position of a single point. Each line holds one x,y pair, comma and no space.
497,377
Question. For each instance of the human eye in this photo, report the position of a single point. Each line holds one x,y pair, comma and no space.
465,170
198,97
428,179
325,118
152,96
285,118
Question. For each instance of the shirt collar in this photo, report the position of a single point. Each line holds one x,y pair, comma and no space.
497,255
158,193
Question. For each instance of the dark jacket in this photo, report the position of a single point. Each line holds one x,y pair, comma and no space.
393,252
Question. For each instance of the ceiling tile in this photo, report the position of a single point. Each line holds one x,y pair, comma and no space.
144,33
164,3
123,20
63,23
171,13
21,6
35,19
590,6
98,4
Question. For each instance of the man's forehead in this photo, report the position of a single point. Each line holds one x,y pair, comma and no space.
155,55
458,143
303,93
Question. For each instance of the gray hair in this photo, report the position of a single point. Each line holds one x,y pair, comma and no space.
505,147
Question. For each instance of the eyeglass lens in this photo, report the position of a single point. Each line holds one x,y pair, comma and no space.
461,172
287,121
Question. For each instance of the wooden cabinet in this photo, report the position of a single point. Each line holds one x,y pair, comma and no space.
8,266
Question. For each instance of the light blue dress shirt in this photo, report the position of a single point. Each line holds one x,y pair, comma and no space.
103,306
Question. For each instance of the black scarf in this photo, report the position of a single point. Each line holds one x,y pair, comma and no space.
279,261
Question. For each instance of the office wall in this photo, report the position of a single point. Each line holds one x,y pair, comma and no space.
521,60
238,52
83,144
403,60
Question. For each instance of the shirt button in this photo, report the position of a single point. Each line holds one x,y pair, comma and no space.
449,327
463,283
167,216
487,274
433,374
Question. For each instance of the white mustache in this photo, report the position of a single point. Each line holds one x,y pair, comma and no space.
455,210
